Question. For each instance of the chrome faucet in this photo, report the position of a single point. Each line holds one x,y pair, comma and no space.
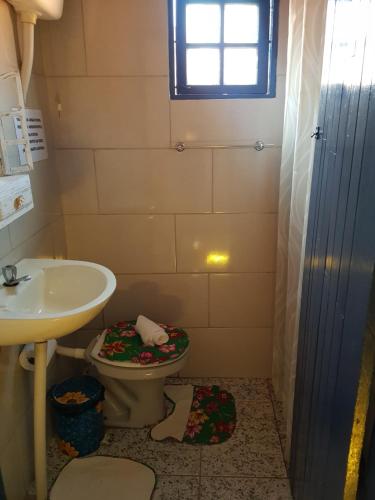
10,276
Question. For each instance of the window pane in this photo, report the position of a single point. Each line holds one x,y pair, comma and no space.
203,66
203,23
240,66
241,23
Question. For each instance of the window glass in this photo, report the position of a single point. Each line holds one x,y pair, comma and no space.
240,66
241,23
203,66
203,23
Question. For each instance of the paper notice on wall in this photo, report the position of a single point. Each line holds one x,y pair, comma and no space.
37,138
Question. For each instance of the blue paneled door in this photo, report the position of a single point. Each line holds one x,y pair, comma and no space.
340,256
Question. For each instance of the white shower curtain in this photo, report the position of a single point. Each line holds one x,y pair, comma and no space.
305,54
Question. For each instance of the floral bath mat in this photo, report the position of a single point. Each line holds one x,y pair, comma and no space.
202,415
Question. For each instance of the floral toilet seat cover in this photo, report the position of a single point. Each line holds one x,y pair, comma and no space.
121,345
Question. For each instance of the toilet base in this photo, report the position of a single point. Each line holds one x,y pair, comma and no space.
133,403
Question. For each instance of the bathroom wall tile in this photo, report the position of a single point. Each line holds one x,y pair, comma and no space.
246,180
110,112
282,50
248,242
251,389
25,444
12,469
160,181
38,64
8,55
242,300
46,209
96,323
125,37
79,339
243,488
227,121
5,245
124,243
58,237
37,98
15,392
229,352
45,186
77,179
63,42
39,246
177,299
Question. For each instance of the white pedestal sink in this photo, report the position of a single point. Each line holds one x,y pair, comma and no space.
62,296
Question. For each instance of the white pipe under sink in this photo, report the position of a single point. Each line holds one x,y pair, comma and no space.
71,352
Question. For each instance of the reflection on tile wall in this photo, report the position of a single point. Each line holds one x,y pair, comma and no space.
39,233
192,235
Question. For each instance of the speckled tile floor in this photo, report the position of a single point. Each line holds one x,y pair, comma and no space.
249,466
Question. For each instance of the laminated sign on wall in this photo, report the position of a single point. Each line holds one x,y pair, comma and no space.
13,130
37,139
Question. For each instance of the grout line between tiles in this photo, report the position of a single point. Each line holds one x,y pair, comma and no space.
23,242
96,180
152,214
212,182
84,37
200,475
209,301
170,121
175,242
88,75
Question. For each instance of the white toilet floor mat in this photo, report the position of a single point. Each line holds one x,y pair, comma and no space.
98,478
175,424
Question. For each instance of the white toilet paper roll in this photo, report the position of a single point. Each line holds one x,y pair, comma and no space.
27,355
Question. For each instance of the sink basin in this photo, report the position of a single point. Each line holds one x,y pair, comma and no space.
62,296
44,9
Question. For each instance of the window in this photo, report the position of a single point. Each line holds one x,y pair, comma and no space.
222,49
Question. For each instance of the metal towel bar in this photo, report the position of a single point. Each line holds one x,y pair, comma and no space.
258,146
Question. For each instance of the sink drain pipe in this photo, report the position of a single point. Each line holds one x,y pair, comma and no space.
71,352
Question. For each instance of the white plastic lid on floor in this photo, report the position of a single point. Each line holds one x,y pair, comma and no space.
98,478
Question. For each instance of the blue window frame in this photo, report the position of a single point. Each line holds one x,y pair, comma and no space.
213,58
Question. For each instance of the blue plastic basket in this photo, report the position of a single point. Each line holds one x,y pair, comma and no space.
78,415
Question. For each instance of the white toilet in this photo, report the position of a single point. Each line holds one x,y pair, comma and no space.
134,393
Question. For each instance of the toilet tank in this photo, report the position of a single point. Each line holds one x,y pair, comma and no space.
44,9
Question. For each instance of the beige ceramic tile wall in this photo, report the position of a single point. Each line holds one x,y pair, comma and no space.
150,213
39,233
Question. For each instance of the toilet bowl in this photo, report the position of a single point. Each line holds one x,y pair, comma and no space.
134,393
